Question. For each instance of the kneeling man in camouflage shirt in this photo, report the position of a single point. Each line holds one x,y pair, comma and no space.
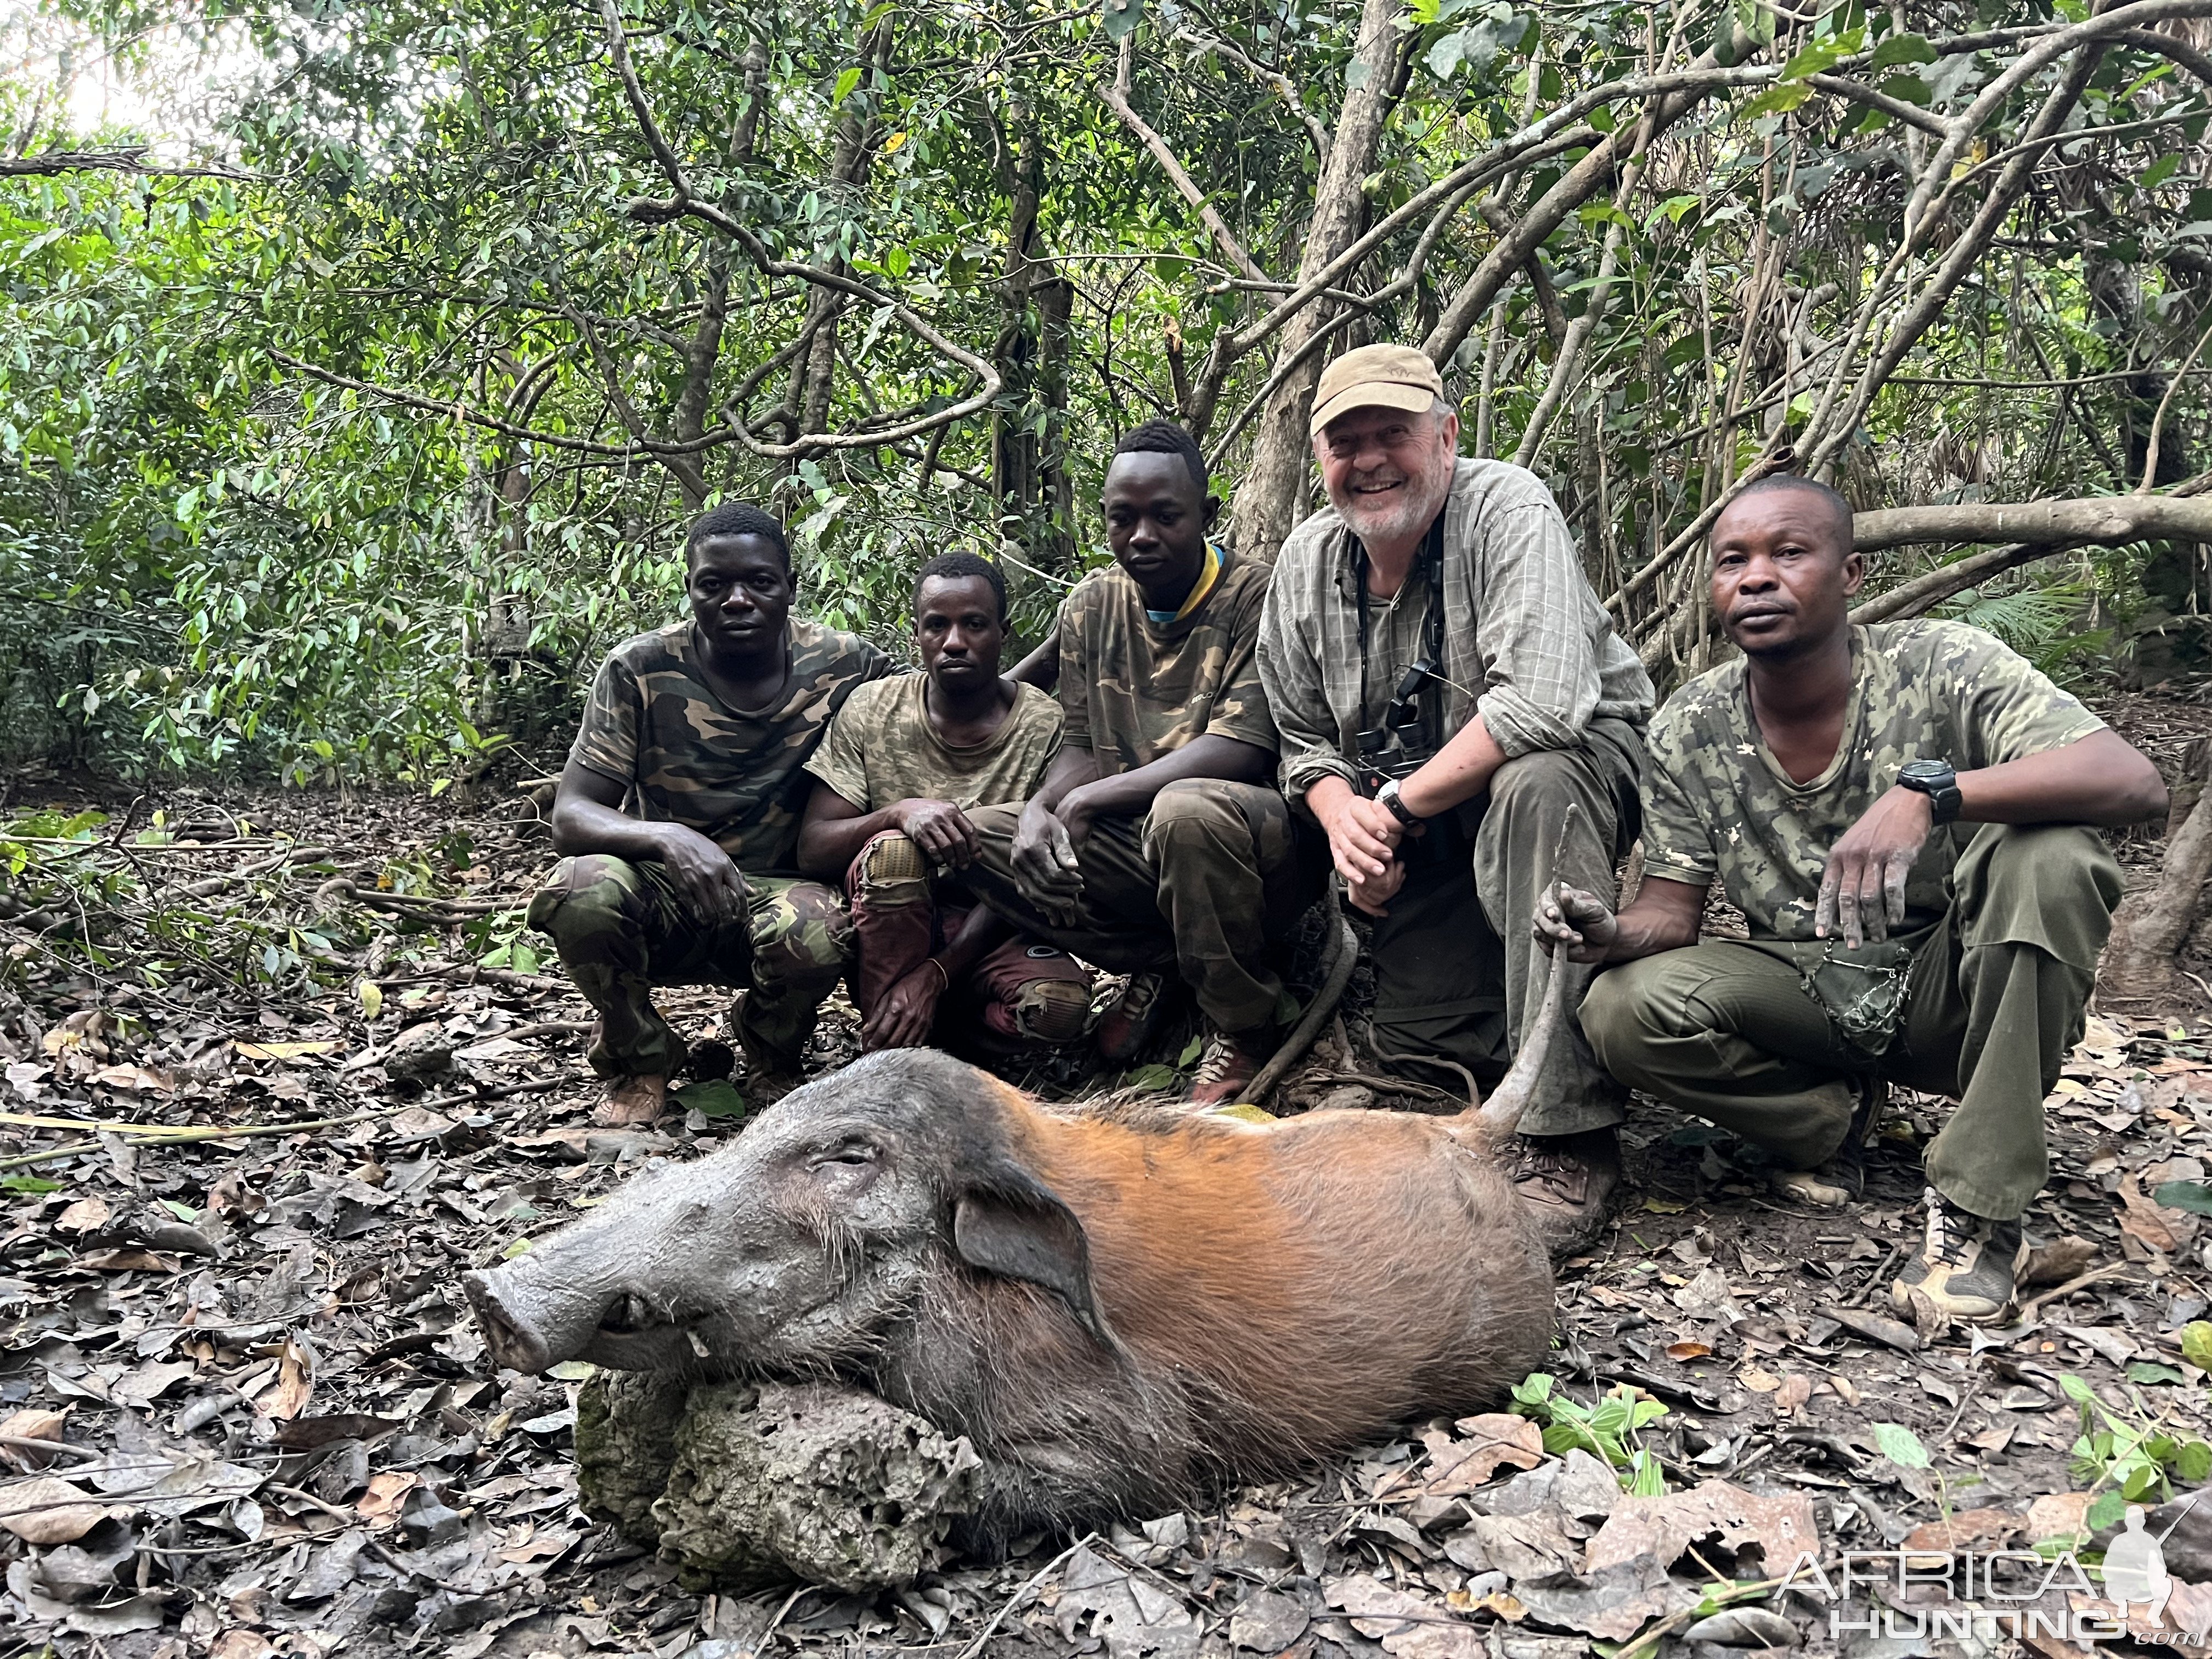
1901,811
906,762
679,812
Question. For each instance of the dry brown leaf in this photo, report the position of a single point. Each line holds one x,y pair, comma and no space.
296,1381
282,1050
1463,1461
33,1423
85,1215
2146,1222
379,1505
1408,1625
1663,1527
241,1645
1758,1379
1969,1530
133,1079
2058,1516
1794,1391
1680,1351
46,1510
127,1262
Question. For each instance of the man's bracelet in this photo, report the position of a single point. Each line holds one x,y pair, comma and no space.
942,974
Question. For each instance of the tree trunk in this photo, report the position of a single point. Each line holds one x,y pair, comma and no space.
814,377
1268,502
1029,473
2151,927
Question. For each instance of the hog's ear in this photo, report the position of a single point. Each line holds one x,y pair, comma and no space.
1014,1226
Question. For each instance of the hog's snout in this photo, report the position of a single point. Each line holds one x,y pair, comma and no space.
526,1329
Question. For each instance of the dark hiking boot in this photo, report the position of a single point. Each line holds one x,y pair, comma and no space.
1842,1179
1568,1183
1130,1019
1968,1267
1230,1062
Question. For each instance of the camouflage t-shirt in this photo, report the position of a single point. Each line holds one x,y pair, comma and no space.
1718,805
738,776
882,749
1135,689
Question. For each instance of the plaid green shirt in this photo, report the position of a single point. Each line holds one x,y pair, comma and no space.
1526,644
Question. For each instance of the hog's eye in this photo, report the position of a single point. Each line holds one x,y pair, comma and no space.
848,1153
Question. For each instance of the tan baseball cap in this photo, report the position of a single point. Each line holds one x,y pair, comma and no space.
1388,376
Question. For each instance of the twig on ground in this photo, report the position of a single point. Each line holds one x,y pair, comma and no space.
1022,1594
2028,1309
24,1442
1858,1296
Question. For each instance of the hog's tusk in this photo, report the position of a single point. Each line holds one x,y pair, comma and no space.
697,1346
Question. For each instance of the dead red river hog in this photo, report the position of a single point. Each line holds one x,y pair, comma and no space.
1119,1310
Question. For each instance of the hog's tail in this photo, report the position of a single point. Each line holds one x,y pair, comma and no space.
1500,1115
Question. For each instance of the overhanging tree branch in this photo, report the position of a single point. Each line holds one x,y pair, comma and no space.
1223,238
654,211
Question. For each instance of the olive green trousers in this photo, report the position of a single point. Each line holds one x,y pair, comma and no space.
1994,999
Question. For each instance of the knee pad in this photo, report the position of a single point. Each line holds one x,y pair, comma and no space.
892,867
1053,1011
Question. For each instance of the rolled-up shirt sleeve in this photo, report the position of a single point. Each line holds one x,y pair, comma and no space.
1534,630
1290,672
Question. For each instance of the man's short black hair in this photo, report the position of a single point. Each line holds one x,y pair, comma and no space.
1838,509
738,519
959,567
1167,438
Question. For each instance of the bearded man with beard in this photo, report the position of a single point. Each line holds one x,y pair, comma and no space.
1457,713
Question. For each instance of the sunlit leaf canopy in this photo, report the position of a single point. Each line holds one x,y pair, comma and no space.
358,385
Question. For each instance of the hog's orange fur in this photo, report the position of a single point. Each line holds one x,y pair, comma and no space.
1329,1273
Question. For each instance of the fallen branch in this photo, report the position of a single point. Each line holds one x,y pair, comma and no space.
167,1135
2028,1309
2094,521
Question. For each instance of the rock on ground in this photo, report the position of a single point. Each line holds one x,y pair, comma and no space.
742,1484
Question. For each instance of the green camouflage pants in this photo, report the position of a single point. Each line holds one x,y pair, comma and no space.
621,929
1209,880
1993,1001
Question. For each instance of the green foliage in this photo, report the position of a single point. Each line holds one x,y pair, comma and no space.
2196,1344
1900,1445
348,455
2126,1456
1607,1429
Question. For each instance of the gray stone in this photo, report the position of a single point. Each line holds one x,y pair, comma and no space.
742,1484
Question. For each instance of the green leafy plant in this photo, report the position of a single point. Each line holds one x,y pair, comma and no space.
1608,1428
2129,1457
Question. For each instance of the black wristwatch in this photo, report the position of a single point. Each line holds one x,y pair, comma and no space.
1387,796
1936,780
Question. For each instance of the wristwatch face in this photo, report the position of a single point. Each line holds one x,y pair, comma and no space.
1927,773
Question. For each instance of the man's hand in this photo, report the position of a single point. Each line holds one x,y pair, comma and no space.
1863,891
1374,894
941,829
704,876
1076,813
1580,921
903,1018
1363,835
1046,869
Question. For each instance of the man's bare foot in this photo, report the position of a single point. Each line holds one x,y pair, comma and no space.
632,1100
